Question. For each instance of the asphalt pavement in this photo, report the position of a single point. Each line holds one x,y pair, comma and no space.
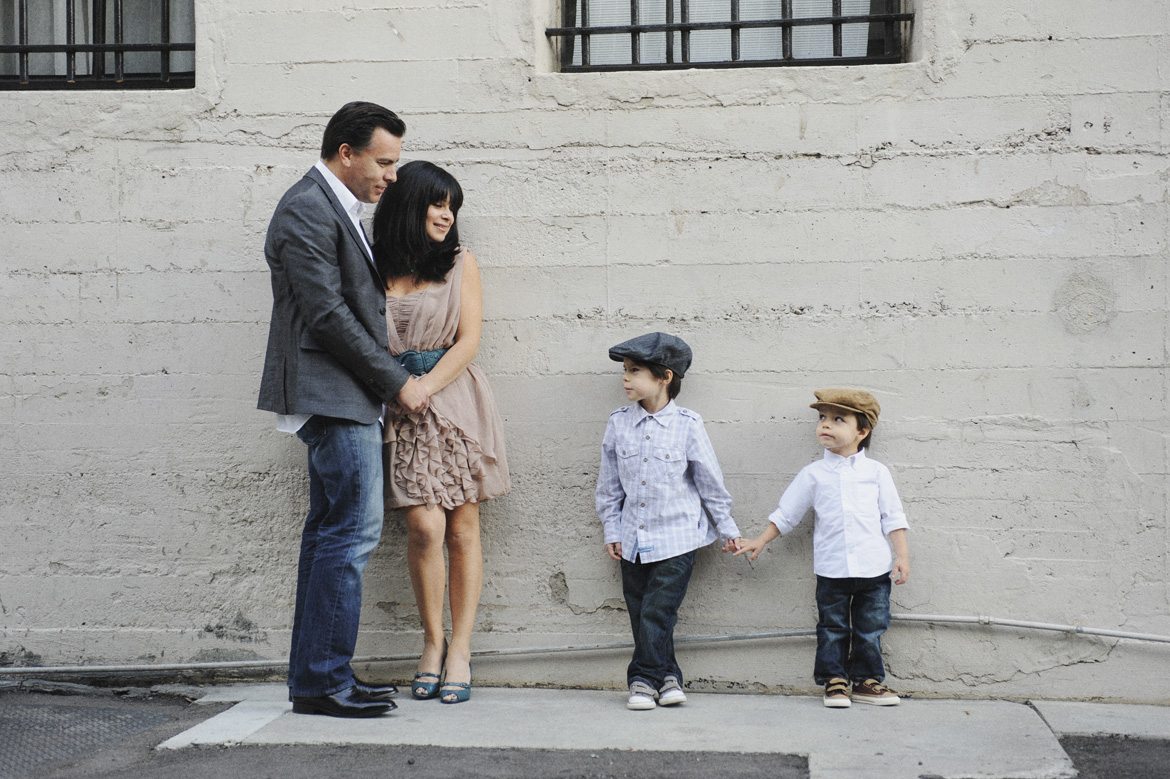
250,730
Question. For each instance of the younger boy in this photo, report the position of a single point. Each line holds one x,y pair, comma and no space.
857,509
658,473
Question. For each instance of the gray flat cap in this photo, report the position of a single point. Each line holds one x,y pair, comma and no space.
661,348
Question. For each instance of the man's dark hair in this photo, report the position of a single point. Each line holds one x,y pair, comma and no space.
401,246
355,123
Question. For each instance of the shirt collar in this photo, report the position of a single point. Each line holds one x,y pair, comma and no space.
354,207
664,416
835,461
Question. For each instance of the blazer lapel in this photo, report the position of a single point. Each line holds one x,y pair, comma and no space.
316,176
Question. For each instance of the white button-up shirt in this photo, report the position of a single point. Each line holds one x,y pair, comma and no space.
856,507
658,473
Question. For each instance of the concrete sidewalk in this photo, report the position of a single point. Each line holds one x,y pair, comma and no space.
939,738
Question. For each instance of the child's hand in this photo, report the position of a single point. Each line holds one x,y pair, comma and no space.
615,550
901,572
755,546
732,544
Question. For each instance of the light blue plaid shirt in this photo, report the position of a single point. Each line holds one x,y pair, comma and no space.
658,473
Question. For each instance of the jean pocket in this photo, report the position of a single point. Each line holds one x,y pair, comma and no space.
312,431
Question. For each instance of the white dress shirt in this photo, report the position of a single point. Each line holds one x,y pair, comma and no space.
658,474
856,507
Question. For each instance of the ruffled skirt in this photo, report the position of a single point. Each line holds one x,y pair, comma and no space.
432,460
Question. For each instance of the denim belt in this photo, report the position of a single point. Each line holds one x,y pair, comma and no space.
419,363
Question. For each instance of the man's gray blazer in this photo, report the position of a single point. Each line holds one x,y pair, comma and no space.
327,345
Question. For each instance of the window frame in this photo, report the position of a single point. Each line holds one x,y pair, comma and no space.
101,11
896,40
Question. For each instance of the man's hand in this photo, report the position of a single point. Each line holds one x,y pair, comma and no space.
413,396
614,550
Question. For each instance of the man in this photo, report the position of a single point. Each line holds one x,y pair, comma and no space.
327,373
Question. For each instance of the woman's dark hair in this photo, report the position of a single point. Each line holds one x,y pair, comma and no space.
401,246
659,372
354,123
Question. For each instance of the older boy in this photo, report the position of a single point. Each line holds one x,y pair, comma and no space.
658,472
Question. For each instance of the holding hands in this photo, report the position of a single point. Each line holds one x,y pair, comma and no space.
413,396
614,550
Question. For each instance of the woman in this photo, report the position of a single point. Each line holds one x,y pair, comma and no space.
443,462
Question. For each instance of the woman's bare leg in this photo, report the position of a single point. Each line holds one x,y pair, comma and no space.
465,556
426,530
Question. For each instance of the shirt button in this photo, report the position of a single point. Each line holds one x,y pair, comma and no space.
647,438
643,505
643,482
641,527
645,459
668,457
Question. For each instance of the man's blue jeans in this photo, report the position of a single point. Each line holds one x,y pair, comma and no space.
851,611
342,528
653,592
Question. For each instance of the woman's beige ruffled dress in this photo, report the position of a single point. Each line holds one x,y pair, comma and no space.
452,453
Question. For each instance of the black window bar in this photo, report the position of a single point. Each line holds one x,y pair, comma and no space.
101,76
888,23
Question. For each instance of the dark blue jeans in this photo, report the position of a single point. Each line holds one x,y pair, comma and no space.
852,615
653,592
342,528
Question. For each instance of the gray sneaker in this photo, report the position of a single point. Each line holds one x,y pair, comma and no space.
671,693
641,697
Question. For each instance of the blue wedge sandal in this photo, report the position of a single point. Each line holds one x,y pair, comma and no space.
461,691
424,691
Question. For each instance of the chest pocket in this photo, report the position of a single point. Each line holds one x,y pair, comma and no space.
863,500
627,460
669,464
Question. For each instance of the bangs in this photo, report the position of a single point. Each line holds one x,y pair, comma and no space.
440,186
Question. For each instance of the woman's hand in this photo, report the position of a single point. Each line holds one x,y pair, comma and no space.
413,396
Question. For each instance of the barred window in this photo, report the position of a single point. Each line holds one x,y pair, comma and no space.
663,34
97,44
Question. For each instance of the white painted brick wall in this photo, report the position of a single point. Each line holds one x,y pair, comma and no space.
979,237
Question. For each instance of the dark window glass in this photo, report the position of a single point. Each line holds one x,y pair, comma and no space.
96,44
659,34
